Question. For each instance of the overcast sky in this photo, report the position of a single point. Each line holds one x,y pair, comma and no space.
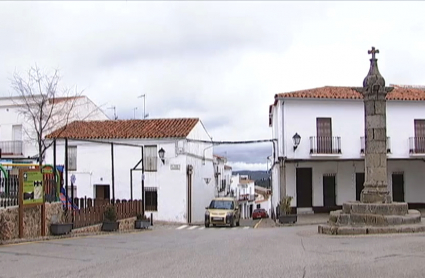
220,61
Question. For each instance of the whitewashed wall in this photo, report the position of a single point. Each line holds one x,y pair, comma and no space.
414,179
200,156
94,167
299,116
275,198
84,109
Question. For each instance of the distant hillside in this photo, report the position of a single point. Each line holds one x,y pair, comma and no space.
260,177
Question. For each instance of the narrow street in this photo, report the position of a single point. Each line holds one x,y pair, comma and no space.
296,251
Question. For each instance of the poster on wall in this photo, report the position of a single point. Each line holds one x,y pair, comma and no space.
33,187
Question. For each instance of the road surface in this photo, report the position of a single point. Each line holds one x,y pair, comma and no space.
246,251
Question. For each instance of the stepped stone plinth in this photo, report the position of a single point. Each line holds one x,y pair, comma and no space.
375,213
364,218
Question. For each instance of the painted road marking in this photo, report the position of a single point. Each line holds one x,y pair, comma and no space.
187,227
258,223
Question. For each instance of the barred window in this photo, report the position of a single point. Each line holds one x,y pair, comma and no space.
150,158
72,158
151,195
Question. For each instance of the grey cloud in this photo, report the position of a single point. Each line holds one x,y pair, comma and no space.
249,153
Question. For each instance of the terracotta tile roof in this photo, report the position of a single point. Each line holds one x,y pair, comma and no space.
127,129
245,181
218,156
331,92
227,167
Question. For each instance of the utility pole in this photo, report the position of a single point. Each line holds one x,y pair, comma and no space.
144,106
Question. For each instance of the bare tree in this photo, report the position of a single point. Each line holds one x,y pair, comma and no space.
44,106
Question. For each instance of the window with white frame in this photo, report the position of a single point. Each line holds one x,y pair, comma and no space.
72,158
150,158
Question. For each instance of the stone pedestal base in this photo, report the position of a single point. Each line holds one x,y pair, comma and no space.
365,218
375,194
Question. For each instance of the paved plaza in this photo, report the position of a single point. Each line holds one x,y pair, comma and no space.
166,251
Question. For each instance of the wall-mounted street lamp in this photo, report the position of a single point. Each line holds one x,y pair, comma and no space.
161,154
296,138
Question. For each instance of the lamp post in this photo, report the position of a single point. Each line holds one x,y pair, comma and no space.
161,154
297,139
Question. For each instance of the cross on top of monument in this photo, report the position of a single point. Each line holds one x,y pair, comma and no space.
373,52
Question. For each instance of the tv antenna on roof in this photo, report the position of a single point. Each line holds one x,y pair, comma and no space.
145,115
115,112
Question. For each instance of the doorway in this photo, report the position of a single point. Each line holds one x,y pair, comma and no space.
360,177
304,185
398,187
324,135
329,190
102,191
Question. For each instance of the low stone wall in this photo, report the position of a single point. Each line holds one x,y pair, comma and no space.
125,225
9,221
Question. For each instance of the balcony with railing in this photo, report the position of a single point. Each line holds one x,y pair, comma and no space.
417,145
246,197
11,148
363,144
325,145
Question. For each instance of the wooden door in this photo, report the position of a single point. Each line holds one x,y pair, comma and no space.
419,136
398,187
324,135
329,191
304,184
102,192
360,178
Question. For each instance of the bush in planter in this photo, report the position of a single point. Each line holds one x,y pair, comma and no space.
285,211
142,222
110,222
60,227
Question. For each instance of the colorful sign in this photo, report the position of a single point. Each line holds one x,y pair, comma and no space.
33,187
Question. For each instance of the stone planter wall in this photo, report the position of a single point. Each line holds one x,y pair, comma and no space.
9,221
125,225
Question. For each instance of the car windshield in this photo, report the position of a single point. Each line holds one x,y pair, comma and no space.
217,204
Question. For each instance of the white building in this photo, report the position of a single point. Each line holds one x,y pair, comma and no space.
243,190
173,192
222,174
326,169
17,133
263,198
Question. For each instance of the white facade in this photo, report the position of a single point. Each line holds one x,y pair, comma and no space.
16,132
170,180
244,192
291,115
223,174
263,198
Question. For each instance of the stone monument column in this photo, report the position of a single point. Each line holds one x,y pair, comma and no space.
375,213
374,92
